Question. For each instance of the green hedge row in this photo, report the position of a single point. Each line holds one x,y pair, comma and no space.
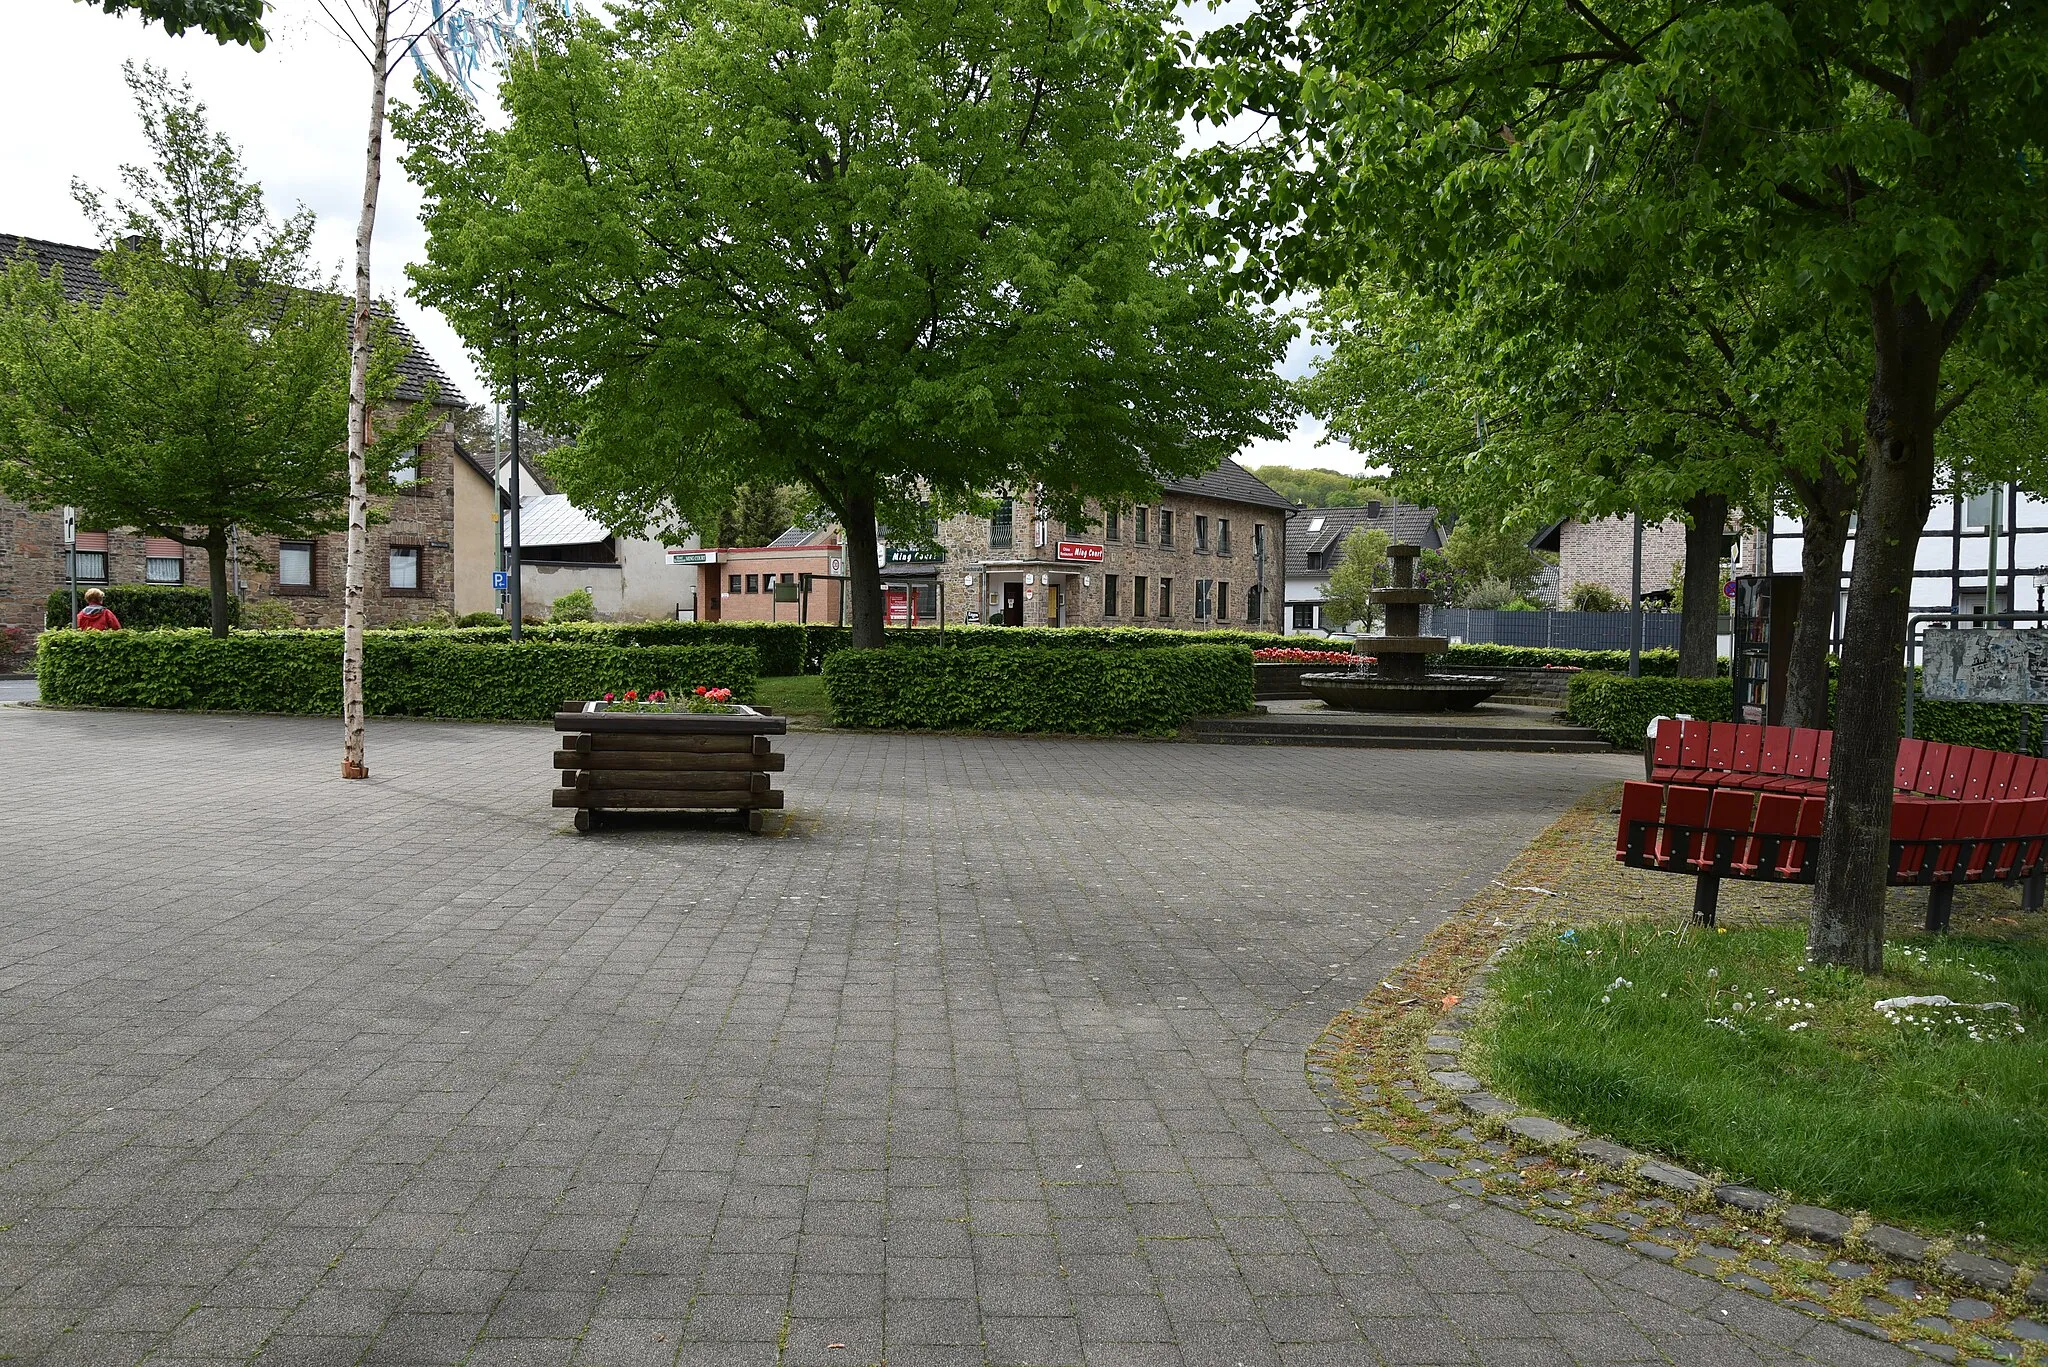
1152,691
1620,708
1658,663
146,607
418,674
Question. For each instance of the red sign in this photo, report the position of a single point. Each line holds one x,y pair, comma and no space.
1080,550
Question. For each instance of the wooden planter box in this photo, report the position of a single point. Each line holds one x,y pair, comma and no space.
667,762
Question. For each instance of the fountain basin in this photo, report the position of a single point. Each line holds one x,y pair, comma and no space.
1367,692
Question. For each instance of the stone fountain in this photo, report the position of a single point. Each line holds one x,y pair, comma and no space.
1401,682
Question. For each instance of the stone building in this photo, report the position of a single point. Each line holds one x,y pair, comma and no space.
433,551
1206,554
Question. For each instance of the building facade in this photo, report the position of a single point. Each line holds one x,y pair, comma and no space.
1205,555
438,519
562,548
1315,546
800,576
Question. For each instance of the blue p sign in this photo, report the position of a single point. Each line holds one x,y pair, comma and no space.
501,580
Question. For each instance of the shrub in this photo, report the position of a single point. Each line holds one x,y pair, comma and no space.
1654,662
405,673
13,642
480,619
1619,708
268,614
1141,691
1594,598
146,607
576,605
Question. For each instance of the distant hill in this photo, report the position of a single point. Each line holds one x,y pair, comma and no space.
1319,488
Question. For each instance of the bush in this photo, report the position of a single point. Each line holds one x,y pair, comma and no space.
268,614
147,607
1594,598
1142,691
480,619
405,673
1619,708
1663,663
576,605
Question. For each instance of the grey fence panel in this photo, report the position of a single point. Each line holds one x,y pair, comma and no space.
1555,630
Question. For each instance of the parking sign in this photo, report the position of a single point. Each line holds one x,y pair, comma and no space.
501,580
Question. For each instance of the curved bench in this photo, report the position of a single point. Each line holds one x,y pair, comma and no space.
1729,800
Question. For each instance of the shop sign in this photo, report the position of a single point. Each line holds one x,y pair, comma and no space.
692,557
1084,551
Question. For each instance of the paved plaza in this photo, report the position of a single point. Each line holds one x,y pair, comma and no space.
995,1056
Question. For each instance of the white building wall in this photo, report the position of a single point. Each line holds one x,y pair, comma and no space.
642,586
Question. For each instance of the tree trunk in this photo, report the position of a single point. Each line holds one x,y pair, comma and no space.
217,578
1847,927
864,576
352,760
1825,507
1698,657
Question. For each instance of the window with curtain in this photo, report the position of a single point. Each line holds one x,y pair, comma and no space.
405,567
295,564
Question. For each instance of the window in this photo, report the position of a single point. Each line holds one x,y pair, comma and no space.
1202,591
405,568
1223,536
1138,527
1002,526
1165,595
753,583
1201,532
1222,602
163,561
1304,616
1111,528
1315,560
405,467
295,564
1254,603
1138,595
1165,529
89,557
1109,595
1258,538
767,583
732,583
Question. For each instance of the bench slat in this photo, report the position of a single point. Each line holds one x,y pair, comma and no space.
1692,746
1933,760
1777,745
1978,776
1906,770
1823,754
1749,744
2002,765
1665,756
1799,763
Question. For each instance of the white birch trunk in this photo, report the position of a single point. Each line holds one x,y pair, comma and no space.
352,761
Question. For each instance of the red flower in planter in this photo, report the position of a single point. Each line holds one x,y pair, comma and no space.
609,698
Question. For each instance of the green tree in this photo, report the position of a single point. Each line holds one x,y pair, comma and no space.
1319,488
758,514
1347,598
895,255
229,21
201,382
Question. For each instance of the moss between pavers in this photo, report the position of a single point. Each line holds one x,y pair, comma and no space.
1372,1065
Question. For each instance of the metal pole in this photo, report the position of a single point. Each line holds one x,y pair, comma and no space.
1991,553
71,559
512,557
1635,605
498,497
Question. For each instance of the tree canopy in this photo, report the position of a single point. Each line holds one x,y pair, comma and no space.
201,383
1315,487
894,254
229,21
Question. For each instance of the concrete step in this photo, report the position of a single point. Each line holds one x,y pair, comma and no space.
1319,726
1408,738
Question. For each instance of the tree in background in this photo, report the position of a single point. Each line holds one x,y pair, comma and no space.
1593,598
1347,598
758,514
893,255
203,385
229,21
1319,488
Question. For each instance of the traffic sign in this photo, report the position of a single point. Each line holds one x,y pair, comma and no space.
71,526
501,580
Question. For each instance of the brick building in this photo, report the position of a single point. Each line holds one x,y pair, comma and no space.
799,576
1205,554
433,551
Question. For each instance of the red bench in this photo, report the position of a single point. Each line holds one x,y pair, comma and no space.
1728,800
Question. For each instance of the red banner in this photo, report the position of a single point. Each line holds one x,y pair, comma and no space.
1082,551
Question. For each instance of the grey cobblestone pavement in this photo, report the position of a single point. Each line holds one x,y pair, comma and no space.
994,1057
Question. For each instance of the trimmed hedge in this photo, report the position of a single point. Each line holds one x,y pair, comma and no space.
1658,663
780,646
146,607
1620,708
405,673
1151,691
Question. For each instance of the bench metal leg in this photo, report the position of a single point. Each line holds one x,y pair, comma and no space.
1940,898
1706,896
2030,892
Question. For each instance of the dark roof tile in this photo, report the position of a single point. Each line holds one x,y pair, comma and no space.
1404,522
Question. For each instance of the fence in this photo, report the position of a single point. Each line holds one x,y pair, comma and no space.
1556,630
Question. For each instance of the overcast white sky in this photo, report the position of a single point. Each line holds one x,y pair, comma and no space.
298,111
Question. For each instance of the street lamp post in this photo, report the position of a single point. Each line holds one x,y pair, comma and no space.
1635,605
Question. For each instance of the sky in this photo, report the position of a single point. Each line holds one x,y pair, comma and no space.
298,110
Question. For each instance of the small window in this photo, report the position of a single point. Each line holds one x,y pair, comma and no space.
753,583
1254,603
1138,527
1304,616
1112,529
405,467
1223,536
1222,602
91,566
1165,593
1258,538
295,564
1138,590
1109,595
767,583
1201,532
1315,560
732,583
1165,530
164,569
1202,588
1002,526
405,568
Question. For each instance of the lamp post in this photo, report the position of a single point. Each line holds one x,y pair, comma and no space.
512,557
1635,605
71,559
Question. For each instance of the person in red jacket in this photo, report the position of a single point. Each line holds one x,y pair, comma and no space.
96,615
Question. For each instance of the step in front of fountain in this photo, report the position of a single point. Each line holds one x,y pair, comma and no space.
1374,692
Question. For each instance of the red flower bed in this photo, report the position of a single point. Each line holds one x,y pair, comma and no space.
1292,656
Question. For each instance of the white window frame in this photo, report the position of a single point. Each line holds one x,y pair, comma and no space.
393,557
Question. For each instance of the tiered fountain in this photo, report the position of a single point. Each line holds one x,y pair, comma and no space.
1400,682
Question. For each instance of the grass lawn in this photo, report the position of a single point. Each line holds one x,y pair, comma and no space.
800,697
1729,1052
